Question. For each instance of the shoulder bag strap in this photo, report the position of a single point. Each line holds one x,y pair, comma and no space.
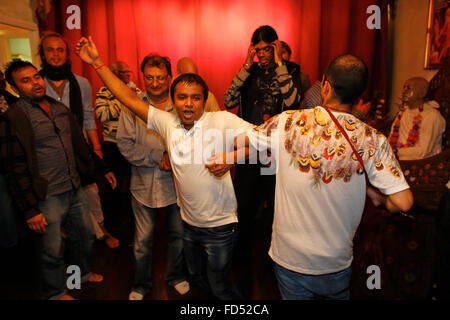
336,122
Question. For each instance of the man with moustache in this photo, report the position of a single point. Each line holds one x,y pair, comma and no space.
60,162
152,186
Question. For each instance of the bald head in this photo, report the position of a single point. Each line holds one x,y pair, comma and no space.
347,75
121,69
186,65
419,85
414,91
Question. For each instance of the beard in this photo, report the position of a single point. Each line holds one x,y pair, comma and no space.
56,73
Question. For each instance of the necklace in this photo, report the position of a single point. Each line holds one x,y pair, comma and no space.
413,135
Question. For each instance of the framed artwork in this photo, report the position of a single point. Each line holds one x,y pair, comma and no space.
438,34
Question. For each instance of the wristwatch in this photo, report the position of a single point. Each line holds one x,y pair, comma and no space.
246,66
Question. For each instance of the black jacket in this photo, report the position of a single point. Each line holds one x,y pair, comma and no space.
89,165
250,89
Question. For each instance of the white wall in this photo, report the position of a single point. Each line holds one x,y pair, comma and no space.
410,37
17,19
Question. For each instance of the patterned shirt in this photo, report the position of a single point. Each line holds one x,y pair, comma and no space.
107,109
320,185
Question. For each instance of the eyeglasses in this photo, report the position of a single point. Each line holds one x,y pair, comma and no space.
267,49
125,71
158,78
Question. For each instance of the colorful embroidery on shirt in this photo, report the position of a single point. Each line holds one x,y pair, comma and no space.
324,143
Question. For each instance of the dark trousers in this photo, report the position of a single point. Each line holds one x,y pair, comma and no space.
209,253
118,164
255,194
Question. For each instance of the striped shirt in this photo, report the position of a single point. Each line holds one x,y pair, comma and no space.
107,109
313,97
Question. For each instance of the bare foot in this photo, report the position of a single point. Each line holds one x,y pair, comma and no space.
95,277
111,241
67,297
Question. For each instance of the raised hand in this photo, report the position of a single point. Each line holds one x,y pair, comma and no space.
277,46
87,50
250,56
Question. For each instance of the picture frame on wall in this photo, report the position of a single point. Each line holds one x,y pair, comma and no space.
438,34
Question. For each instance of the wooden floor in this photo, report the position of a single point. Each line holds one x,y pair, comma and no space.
255,281
401,246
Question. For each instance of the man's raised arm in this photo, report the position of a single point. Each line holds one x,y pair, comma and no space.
87,51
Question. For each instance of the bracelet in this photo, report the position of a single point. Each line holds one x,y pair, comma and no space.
102,65
246,66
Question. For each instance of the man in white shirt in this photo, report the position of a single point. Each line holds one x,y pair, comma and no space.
321,187
207,201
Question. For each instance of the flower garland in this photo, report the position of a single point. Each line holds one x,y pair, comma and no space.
413,135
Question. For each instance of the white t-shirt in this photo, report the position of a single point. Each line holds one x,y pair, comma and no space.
205,201
320,191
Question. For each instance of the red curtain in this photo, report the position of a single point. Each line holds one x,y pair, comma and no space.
217,33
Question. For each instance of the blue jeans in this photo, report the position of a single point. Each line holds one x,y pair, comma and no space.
145,219
67,210
298,286
209,253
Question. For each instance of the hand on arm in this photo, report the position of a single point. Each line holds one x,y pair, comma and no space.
220,164
165,162
37,223
87,51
